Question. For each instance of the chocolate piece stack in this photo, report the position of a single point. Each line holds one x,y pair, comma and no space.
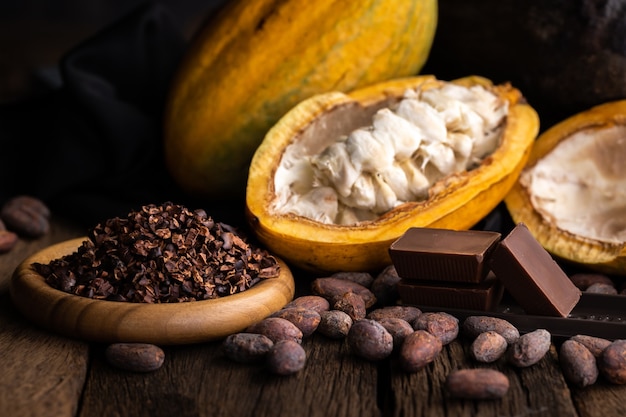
446,268
466,270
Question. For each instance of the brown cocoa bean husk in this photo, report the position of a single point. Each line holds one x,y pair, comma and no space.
335,324
286,357
305,319
474,325
612,362
276,329
385,286
136,357
350,303
311,302
8,240
443,325
368,339
596,345
578,364
27,216
529,349
398,328
477,384
488,347
330,288
418,350
406,313
363,278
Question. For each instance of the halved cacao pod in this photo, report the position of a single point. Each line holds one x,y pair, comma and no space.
256,59
457,202
581,160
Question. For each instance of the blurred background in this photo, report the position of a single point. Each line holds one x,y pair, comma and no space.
34,34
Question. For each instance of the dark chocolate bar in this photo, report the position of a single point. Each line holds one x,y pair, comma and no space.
443,255
532,277
483,296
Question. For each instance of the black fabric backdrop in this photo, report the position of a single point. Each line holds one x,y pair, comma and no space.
91,148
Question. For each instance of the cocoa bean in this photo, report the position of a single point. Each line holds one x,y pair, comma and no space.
370,340
398,328
276,329
335,324
334,287
418,350
407,313
443,325
475,325
601,288
529,349
350,303
26,215
578,364
286,357
612,362
305,319
246,347
585,280
363,278
596,345
8,240
385,286
477,384
136,357
488,347
311,302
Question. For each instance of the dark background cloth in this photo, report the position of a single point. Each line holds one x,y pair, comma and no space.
91,147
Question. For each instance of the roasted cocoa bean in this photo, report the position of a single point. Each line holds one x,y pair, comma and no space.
398,328
488,347
305,319
596,345
311,302
363,278
407,313
475,325
477,384
276,329
246,347
286,357
330,288
385,286
578,364
585,280
136,357
601,288
529,349
26,215
443,325
8,240
334,324
350,303
418,350
370,340
612,362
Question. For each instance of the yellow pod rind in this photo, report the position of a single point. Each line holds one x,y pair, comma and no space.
258,58
460,200
609,257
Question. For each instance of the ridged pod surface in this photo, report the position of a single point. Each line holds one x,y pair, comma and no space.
256,59
458,201
603,255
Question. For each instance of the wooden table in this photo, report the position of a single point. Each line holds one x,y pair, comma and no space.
44,374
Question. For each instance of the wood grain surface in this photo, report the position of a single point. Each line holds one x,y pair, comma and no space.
44,374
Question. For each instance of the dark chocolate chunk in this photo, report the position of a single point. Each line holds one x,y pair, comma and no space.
483,296
443,255
532,277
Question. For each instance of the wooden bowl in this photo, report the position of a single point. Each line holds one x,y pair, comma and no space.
163,324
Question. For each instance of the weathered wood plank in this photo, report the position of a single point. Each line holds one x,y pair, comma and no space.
423,393
199,381
42,374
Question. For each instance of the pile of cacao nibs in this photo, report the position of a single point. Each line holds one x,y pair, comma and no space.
160,254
